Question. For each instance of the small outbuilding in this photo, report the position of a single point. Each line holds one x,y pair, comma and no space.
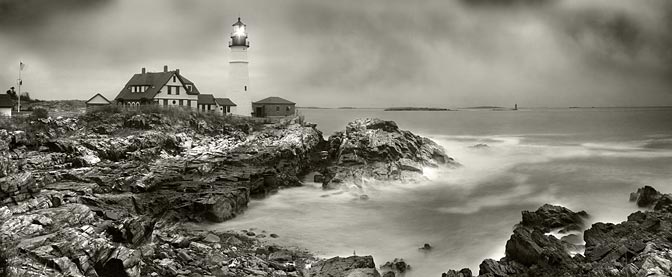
225,105
208,103
6,105
97,100
273,107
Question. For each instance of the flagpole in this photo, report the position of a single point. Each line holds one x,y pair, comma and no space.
20,82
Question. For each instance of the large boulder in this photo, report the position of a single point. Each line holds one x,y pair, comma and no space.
465,272
378,149
550,217
353,266
646,196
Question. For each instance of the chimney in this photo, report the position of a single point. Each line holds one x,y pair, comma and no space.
144,70
177,71
165,68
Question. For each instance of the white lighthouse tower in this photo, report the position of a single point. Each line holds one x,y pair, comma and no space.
239,77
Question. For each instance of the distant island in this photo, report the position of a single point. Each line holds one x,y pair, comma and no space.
397,109
492,108
313,108
483,107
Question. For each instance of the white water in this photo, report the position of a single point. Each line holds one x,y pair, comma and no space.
467,213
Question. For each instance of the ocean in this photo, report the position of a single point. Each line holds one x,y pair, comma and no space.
584,159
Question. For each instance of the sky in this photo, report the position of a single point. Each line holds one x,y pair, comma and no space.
374,53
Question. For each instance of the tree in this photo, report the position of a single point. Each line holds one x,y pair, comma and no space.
12,93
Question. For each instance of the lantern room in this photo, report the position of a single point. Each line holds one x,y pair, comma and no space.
239,35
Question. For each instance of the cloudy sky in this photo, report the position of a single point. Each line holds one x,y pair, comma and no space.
374,53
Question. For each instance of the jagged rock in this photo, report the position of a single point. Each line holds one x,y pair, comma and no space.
377,149
426,247
103,196
397,265
465,272
549,217
281,256
345,267
646,196
212,238
639,246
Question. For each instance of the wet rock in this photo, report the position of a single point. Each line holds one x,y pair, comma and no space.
397,265
342,267
479,146
211,238
637,247
549,217
646,196
377,149
465,272
281,256
426,247
319,178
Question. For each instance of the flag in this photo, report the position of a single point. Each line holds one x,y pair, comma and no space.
22,65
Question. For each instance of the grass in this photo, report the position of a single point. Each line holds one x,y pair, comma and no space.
175,117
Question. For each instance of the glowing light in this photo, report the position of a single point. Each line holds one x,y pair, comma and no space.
239,31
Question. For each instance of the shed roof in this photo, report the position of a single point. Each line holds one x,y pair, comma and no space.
225,102
206,99
98,94
6,101
155,81
274,100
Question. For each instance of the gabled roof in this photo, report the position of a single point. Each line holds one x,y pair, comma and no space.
6,101
98,94
225,102
155,81
206,99
274,100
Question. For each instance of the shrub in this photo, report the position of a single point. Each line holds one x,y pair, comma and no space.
39,113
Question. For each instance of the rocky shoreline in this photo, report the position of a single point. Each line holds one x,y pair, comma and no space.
107,193
112,193
640,246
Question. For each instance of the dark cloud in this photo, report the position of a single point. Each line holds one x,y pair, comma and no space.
503,3
625,38
342,53
27,13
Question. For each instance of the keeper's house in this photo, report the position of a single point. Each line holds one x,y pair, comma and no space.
167,88
273,107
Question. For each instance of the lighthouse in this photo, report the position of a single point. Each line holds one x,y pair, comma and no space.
239,77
